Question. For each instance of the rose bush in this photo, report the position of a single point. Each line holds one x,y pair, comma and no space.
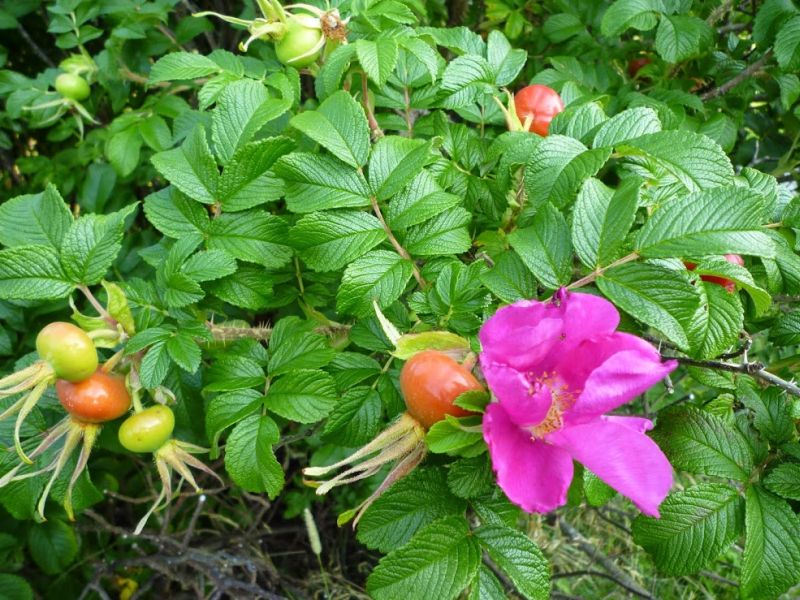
303,238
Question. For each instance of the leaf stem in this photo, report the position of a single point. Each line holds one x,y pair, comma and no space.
97,306
377,132
397,246
754,369
600,270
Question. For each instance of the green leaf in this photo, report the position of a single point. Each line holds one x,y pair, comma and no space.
355,419
320,182
155,365
183,349
629,124
247,181
249,458
771,563
407,345
717,322
773,416
784,480
695,527
421,200
438,562
654,295
681,37
228,409
35,219
485,586
32,273
249,287
718,221
597,492
209,265
123,150
506,62
470,477
690,159
229,373
699,442
380,275
340,126
303,395
407,506
394,162
53,546
545,247
191,168
182,65
299,350
465,77
579,122
601,220
636,14
253,236
445,233
15,588
509,279
519,558
714,265
175,215
328,241
457,437
329,78
378,57
787,45
91,245
557,167
243,108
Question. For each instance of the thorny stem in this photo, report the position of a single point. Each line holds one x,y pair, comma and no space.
397,246
599,271
732,83
97,306
754,369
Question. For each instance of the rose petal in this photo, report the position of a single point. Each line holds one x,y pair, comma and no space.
533,474
639,424
513,390
609,371
521,335
627,460
587,316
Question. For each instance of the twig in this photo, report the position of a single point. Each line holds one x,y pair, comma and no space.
397,246
97,306
617,574
34,46
754,369
719,12
732,83
377,132
187,537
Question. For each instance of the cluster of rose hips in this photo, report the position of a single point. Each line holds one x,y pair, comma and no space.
91,395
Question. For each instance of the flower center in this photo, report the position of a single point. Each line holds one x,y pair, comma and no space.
562,399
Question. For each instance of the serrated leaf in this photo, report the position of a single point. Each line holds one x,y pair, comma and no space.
249,287
380,275
155,365
421,200
182,65
601,220
771,563
249,458
175,215
378,57
191,168
302,395
209,265
519,558
15,588
637,14
407,506
394,162
690,159
718,221
457,437
53,546
699,442
784,480
545,247
32,273
356,417
330,75
320,182
328,241
247,180
486,586
445,233
183,349
509,279
695,527
740,276
299,351
680,37
470,477
629,124
657,296
252,236
773,417
91,245
242,109
717,322
439,562
228,409
787,44
340,126
579,122
35,219
506,62
229,373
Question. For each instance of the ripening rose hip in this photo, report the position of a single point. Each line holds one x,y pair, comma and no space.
301,38
68,349
539,103
73,87
147,430
100,398
430,381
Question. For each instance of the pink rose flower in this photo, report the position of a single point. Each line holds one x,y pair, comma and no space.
555,369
